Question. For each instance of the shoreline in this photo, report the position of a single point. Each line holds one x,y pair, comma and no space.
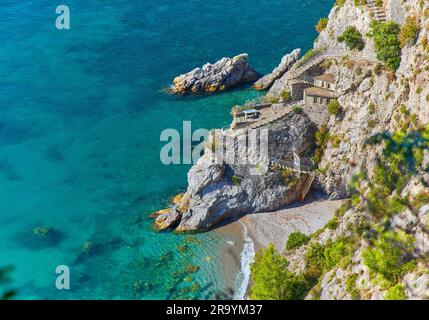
275,227
258,230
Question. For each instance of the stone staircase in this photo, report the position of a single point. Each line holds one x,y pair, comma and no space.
307,186
309,179
379,13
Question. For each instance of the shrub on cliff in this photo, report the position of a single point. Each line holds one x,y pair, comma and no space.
409,31
334,107
286,96
353,38
321,140
387,258
396,292
296,239
387,45
321,25
272,280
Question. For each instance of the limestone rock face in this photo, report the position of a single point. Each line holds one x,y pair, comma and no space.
217,192
287,62
220,76
168,219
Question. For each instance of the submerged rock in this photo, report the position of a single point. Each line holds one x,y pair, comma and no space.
40,237
220,76
287,62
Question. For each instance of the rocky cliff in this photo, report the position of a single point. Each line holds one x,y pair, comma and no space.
381,235
372,150
217,192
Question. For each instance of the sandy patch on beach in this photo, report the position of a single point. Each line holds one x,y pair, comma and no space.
307,217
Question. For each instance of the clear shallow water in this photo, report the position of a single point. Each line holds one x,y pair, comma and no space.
81,115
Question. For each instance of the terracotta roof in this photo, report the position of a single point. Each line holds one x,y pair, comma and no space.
319,92
328,77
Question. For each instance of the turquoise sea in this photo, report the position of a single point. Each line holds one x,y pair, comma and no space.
81,112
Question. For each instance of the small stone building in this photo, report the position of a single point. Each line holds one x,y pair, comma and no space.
326,81
323,92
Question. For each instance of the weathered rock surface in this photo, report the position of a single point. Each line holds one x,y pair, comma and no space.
217,192
222,75
286,63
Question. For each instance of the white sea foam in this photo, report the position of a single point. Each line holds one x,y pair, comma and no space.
246,258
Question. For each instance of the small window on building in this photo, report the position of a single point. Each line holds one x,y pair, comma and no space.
315,99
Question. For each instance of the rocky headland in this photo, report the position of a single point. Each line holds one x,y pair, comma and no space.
286,63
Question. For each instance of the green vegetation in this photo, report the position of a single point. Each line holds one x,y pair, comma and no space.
321,140
308,55
297,110
396,292
389,253
402,156
340,3
320,259
333,223
351,286
286,96
409,31
353,38
321,25
236,180
387,258
387,45
334,107
272,280
296,239
358,3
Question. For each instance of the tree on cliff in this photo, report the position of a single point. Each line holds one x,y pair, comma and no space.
272,280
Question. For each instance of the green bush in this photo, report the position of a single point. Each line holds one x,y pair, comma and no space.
286,96
236,180
353,38
308,55
334,253
351,286
320,259
387,45
396,292
321,25
409,31
297,110
296,239
321,140
333,223
272,280
315,261
387,259
334,107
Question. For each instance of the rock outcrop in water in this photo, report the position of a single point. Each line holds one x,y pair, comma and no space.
217,192
224,74
287,62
